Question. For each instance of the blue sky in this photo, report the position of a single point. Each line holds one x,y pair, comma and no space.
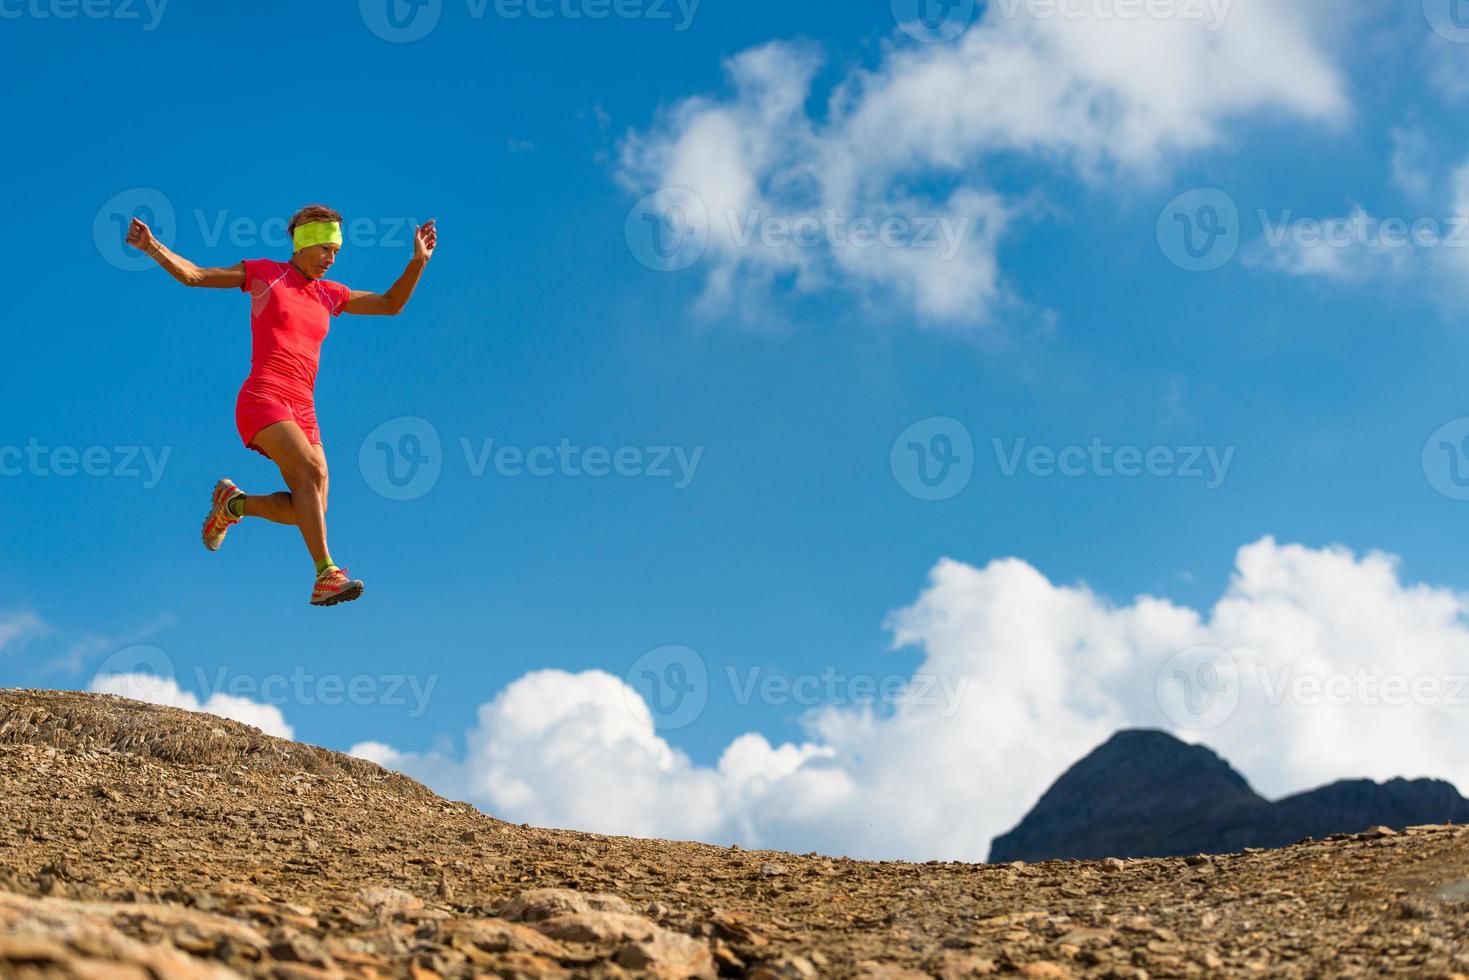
1324,373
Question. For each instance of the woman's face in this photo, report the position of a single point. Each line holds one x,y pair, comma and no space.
314,260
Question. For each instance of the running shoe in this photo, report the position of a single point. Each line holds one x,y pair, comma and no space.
220,520
334,586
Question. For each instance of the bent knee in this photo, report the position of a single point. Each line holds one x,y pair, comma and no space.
306,474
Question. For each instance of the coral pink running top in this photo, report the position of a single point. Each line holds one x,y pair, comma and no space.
290,315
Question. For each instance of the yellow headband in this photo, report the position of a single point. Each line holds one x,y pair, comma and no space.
318,233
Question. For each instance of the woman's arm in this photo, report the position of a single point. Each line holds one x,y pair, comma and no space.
140,236
391,303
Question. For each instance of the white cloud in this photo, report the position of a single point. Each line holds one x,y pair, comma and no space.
1429,249
1355,247
1103,99
88,645
1450,63
1040,674
17,627
1412,162
581,750
1454,262
165,690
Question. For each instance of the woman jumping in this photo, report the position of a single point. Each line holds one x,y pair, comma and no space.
291,307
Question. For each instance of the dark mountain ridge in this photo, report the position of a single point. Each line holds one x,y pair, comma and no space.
1144,793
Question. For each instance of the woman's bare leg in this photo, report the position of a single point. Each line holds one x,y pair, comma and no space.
303,466
275,507
279,507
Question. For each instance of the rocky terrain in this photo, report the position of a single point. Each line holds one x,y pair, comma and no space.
1144,793
145,842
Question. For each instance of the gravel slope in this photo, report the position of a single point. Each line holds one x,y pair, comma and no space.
141,841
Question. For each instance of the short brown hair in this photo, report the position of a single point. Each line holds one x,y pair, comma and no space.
310,213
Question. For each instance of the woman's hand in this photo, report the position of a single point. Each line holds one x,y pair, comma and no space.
425,240
391,303
140,236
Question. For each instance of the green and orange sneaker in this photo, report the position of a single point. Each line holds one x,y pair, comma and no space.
334,586
220,520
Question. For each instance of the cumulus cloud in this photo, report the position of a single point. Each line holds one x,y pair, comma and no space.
582,750
912,140
1315,665
165,690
